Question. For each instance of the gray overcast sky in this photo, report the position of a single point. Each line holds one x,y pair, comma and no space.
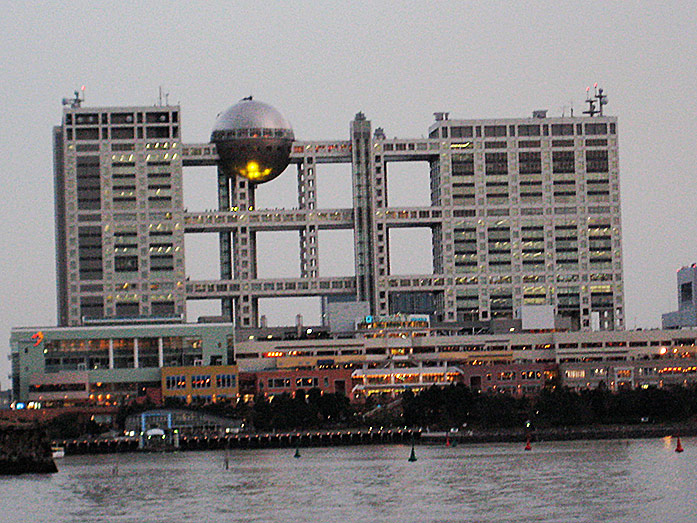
319,64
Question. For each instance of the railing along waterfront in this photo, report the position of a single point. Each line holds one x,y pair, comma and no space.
303,438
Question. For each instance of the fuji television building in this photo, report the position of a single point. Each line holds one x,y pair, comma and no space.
526,253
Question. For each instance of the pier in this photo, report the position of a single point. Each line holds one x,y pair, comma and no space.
289,439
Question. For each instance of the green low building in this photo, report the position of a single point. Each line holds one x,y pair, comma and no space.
109,364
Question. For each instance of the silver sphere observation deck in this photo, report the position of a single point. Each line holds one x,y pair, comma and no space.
253,140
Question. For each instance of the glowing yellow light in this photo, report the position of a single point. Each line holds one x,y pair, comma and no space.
252,171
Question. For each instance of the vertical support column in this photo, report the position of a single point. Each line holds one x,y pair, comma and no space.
363,211
583,263
160,353
381,241
618,287
615,319
380,234
444,234
135,353
111,353
244,255
225,239
307,199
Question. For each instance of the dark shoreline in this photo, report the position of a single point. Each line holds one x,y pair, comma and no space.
593,432
346,437
25,450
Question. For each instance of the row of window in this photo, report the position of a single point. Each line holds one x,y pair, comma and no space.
628,373
491,131
530,162
59,387
201,381
122,133
159,117
524,375
304,383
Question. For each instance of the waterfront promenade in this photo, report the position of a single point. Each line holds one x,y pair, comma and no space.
302,438
381,435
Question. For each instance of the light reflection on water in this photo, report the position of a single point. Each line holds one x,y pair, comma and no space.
582,481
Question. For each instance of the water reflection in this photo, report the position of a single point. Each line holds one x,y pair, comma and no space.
642,480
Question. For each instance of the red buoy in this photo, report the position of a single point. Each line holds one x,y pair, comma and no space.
447,441
678,447
527,445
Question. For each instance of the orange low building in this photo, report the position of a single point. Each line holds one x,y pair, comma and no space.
207,383
278,381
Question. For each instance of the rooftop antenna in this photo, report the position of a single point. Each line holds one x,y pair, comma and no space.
570,107
160,95
602,99
591,111
76,101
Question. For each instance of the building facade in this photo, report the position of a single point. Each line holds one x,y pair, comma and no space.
200,383
686,315
196,362
524,212
329,379
119,214
110,364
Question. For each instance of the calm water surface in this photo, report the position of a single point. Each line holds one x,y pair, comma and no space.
580,481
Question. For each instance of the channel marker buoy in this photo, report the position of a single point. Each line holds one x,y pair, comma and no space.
412,456
678,447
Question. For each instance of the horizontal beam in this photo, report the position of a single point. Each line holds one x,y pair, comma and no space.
268,220
271,288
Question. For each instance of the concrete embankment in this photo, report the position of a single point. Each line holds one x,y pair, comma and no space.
25,450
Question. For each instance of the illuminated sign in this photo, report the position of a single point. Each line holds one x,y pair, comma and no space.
39,337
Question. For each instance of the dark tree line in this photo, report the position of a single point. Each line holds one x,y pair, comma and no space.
457,405
311,410
438,408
